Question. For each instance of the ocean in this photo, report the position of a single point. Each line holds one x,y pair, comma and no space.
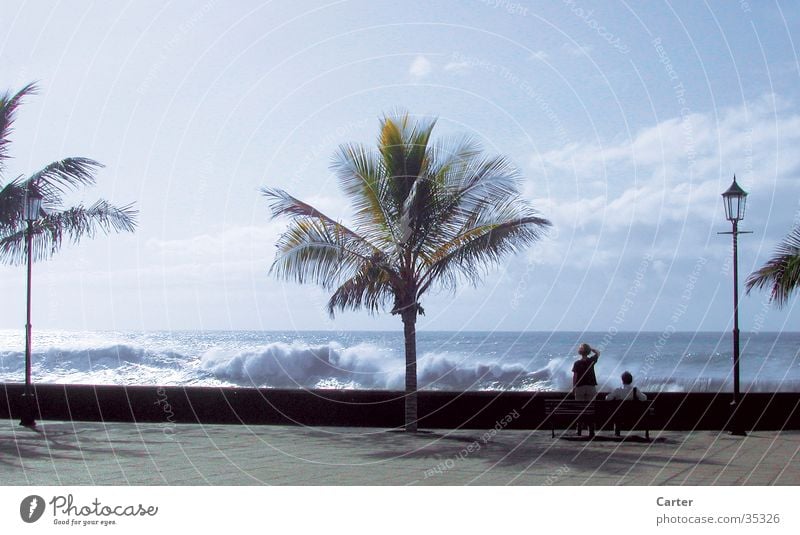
521,361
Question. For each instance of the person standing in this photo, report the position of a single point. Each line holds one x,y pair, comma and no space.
584,380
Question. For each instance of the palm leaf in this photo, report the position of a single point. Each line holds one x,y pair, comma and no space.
50,183
11,198
370,288
403,148
57,178
48,232
362,176
283,204
480,196
472,252
8,108
781,273
311,251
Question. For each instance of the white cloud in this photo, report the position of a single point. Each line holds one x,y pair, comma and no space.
539,55
232,242
668,176
762,134
458,66
237,253
420,67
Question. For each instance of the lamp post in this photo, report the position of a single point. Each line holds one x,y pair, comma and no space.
734,200
31,211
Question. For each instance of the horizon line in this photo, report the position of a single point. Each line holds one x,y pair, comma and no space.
400,331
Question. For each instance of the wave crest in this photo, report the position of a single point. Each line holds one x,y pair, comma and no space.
331,365
363,366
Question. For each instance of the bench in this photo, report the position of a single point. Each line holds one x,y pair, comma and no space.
631,415
568,411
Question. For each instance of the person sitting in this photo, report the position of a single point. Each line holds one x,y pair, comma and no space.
627,391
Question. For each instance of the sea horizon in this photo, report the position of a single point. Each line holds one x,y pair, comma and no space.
400,330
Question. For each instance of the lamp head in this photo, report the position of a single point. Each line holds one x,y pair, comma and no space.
734,200
32,207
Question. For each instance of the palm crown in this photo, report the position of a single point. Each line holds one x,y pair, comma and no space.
51,183
426,215
781,273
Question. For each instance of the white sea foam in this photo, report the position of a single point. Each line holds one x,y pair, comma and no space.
365,365
112,364
300,365
362,361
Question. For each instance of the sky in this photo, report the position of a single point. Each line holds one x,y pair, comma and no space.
626,121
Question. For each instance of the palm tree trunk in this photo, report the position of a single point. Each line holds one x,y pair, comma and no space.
410,332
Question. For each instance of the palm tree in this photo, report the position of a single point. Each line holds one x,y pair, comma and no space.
426,215
781,272
50,183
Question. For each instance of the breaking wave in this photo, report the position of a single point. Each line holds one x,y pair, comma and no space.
328,365
360,366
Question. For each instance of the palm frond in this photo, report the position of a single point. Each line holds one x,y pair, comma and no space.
472,252
447,153
283,204
427,203
110,218
476,187
417,148
471,194
55,179
362,176
370,288
48,232
307,252
11,198
781,273
8,108
403,147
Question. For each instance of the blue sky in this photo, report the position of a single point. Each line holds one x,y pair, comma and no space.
626,119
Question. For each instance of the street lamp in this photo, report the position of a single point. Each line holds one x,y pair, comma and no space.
734,199
31,210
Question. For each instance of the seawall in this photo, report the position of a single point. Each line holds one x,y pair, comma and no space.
445,410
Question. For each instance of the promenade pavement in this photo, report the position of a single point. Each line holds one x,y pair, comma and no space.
89,453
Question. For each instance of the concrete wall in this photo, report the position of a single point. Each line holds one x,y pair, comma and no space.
478,410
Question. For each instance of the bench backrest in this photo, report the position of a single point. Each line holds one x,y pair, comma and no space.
568,406
628,408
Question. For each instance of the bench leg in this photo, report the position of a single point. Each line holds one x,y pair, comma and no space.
647,434
553,431
616,430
